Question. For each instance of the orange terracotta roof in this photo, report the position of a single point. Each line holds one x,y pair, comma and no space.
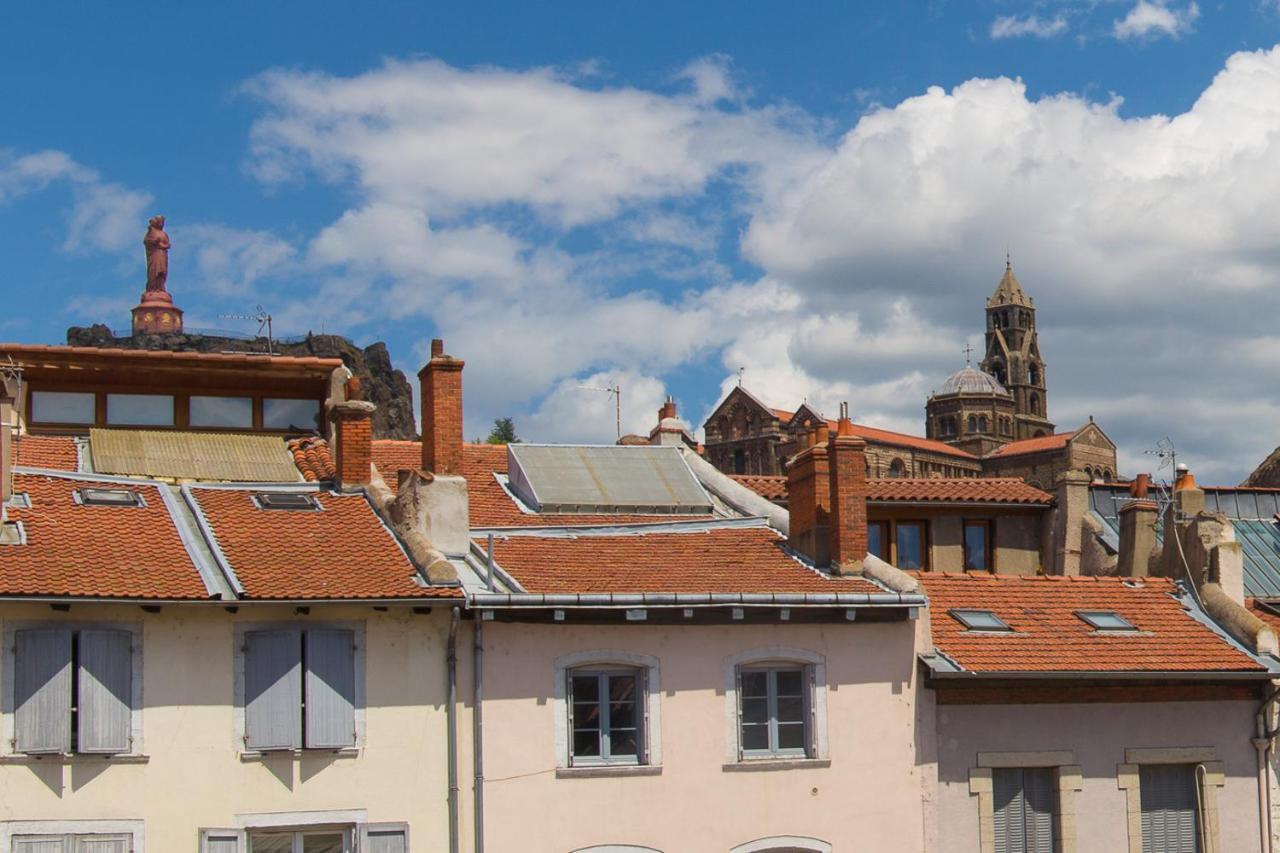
1033,445
491,505
18,350
783,415
312,457
1004,490
730,560
1266,614
771,487
343,551
884,436
1008,490
96,551
1049,637
53,452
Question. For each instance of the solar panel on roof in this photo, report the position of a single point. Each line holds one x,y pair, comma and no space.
605,479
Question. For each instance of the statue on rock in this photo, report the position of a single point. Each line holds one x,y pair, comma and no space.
156,314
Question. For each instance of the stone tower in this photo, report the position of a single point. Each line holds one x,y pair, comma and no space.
1013,356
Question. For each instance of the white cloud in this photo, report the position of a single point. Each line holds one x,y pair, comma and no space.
1156,19
107,217
576,410
1011,26
228,262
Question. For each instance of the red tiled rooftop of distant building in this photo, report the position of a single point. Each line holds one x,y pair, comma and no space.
52,452
730,560
885,436
491,504
312,457
771,487
1005,490
1267,613
342,551
1034,445
1048,636
95,551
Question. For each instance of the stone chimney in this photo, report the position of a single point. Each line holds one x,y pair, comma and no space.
809,498
1137,538
441,393
353,443
847,519
670,429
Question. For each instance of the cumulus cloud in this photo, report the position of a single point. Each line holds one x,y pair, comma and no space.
1156,19
1011,26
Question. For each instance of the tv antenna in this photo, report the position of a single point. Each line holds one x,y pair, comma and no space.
616,391
741,370
263,320
1166,453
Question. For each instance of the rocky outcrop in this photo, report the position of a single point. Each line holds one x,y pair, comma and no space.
1267,474
380,383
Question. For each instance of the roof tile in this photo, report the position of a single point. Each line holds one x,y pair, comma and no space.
52,452
1006,490
1033,445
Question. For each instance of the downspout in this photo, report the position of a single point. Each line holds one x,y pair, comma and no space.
1263,743
451,656
477,730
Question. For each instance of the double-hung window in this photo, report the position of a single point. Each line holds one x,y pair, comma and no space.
606,716
72,691
773,712
299,688
1024,809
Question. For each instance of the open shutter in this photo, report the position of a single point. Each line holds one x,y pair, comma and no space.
331,688
42,691
47,844
106,687
1168,796
221,840
384,838
1038,809
273,689
103,844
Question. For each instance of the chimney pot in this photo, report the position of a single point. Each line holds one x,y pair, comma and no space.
437,347
1140,486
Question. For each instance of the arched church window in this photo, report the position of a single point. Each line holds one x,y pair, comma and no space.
739,461
1035,404
1106,474
1035,375
973,424
982,424
897,469
997,370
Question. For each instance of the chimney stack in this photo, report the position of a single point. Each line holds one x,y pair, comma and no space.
808,501
10,388
847,519
353,443
441,393
668,409
1137,537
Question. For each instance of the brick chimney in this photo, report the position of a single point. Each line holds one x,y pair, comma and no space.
847,518
441,393
809,498
9,390
353,443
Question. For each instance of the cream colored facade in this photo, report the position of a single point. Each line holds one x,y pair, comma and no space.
188,767
864,790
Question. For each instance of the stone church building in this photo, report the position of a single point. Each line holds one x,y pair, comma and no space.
987,422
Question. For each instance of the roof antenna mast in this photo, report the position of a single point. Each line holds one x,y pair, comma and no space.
616,390
264,322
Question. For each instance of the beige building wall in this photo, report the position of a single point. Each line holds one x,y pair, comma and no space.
194,773
1099,745
866,794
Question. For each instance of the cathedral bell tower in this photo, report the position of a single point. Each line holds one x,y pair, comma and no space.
1013,355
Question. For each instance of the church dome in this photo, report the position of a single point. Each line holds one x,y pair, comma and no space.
970,381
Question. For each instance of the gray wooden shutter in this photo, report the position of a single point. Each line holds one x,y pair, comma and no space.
1168,796
273,689
1040,805
42,690
103,844
48,844
384,838
106,690
331,688
1009,805
221,840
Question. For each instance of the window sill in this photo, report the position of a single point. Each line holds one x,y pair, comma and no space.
264,755
605,770
75,758
749,765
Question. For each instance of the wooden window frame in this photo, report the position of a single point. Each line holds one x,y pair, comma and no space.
925,562
886,545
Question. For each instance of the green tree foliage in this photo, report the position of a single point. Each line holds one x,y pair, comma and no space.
503,432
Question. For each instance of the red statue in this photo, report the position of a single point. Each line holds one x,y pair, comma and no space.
157,245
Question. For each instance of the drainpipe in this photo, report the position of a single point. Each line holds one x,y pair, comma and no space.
477,730
1263,744
451,714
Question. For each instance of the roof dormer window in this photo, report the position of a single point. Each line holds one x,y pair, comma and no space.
1106,620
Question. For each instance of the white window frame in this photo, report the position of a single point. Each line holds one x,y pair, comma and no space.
354,822
7,699
602,674
602,660
777,656
10,829
774,750
238,641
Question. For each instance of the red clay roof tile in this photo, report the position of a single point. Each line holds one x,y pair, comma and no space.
1033,445
771,487
731,560
1049,637
343,551
1007,490
312,457
52,452
96,551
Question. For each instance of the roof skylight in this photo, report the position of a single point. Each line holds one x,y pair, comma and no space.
110,497
1106,620
979,620
296,501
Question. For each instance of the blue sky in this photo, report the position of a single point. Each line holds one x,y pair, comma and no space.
659,194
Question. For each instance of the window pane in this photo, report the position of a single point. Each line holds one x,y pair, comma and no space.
140,409
755,683
791,736
586,715
975,547
791,710
280,413
586,688
236,412
622,742
61,407
586,743
875,540
910,546
329,842
755,737
755,709
271,842
790,682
